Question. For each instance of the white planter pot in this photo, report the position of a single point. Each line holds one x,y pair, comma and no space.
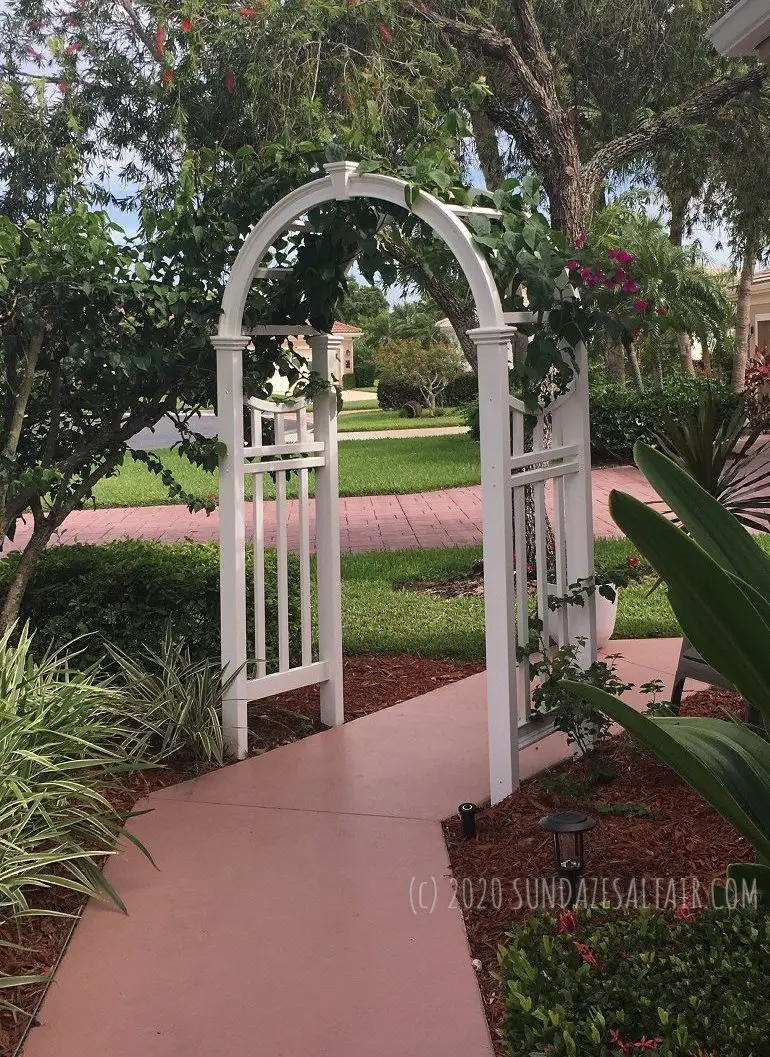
606,615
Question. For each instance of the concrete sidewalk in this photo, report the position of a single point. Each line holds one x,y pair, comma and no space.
446,518
302,903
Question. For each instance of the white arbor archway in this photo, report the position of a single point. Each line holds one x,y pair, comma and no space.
506,470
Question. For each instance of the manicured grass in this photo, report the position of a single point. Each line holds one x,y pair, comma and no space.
360,405
353,421
381,618
367,467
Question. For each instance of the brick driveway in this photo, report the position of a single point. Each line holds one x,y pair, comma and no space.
390,522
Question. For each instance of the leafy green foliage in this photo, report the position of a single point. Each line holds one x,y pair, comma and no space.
620,417
597,984
67,738
460,390
178,699
131,594
717,452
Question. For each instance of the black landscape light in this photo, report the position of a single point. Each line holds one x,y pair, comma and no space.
568,828
467,813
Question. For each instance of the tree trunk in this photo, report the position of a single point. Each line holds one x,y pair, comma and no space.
11,445
743,318
487,148
636,372
684,344
706,361
616,364
658,373
37,543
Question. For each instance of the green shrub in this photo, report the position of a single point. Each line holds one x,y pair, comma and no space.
131,593
594,984
348,382
364,372
620,417
463,389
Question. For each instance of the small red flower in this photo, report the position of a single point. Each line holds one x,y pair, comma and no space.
229,82
572,265
640,304
636,332
168,76
586,273
160,40
63,86
624,258
567,921
629,287
588,956
616,1040
384,32
248,12
660,310
632,561
620,276
186,25
73,49
612,254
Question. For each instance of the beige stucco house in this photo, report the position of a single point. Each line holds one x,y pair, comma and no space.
345,361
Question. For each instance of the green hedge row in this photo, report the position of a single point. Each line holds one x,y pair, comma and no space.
620,417
464,389
596,985
128,593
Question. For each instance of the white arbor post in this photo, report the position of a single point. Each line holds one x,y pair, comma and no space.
571,427
325,349
232,540
493,346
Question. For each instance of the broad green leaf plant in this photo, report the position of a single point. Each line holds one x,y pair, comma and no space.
718,580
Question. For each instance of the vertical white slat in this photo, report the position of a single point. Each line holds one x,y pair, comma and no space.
304,547
282,557
232,537
258,550
327,519
560,537
493,347
578,505
520,550
541,538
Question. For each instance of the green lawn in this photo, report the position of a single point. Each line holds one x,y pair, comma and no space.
380,618
367,467
352,421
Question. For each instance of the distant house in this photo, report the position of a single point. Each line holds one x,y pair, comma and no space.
345,361
759,310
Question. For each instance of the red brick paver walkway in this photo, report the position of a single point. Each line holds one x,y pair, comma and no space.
445,518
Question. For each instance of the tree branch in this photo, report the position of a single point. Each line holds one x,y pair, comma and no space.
698,107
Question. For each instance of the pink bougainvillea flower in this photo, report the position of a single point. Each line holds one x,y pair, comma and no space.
612,254
640,304
629,287
572,265
567,921
620,276
186,25
586,273
636,332
229,82
624,257
168,76
384,32
609,282
248,12
660,310
580,241
588,956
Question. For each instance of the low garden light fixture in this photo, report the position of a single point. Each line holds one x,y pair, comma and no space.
467,813
568,828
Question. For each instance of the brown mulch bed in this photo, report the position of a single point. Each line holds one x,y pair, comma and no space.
682,838
371,683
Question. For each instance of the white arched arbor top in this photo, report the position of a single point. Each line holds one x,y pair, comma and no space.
341,183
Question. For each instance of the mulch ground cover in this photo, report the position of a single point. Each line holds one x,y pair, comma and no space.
665,831
371,683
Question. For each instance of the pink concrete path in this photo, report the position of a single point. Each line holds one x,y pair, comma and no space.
301,903
388,522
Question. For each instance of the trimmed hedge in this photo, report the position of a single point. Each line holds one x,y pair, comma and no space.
364,373
620,417
464,389
128,593
600,984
